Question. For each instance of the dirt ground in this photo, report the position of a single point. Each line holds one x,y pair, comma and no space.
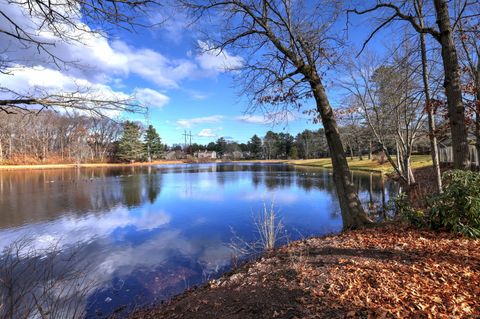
392,271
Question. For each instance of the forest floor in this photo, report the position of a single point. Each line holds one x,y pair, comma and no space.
390,271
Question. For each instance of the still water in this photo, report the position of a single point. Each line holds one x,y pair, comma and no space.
139,235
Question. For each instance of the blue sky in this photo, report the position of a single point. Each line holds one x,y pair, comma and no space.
207,104
184,87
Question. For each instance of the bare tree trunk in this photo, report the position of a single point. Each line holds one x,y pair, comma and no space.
399,161
351,151
353,215
456,111
369,149
477,112
430,115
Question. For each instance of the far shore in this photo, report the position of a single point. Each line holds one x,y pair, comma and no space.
365,165
86,165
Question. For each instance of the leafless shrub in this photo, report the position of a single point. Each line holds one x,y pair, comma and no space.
269,228
43,282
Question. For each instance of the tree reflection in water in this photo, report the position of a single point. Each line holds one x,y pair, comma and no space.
147,233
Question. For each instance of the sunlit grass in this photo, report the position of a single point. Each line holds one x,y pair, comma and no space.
365,164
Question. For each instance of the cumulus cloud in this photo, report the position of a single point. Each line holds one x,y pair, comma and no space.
254,119
94,59
216,60
151,98
188,123
207,132
268,118
69,230
155,67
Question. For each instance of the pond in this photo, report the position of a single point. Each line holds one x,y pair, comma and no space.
139,235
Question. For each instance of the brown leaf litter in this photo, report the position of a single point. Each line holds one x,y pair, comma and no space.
392,271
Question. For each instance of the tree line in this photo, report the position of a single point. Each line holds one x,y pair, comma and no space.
50,137
427,84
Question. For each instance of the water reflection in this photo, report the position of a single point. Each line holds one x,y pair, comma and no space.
150,232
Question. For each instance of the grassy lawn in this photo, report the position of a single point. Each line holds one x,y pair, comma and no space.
365,164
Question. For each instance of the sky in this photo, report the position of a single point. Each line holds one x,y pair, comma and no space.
165,67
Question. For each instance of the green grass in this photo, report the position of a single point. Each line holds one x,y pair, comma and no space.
365,164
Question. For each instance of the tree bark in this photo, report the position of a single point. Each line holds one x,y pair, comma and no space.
430,114
477,111
456,111
353,215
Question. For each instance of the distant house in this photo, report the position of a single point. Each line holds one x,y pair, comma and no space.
445,151
174,155
206,154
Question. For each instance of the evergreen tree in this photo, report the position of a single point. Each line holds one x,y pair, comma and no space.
130,147
221,146
255,146
152,143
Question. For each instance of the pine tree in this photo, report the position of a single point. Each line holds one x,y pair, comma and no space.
255,146
152,143
130,147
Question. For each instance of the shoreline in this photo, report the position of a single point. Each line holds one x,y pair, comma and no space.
84,165
419,161
388,271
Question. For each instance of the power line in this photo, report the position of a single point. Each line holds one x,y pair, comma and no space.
189,135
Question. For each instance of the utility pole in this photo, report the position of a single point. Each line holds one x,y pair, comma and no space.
185,137
189,135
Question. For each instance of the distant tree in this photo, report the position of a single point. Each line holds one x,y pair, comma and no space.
221,146
152,143
211,146
270,144
284,144
255,146
243,147
293,152
130,147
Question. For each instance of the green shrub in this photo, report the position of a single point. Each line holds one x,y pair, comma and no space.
457,209
403,208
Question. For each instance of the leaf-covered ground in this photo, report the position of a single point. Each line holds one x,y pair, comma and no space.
388,272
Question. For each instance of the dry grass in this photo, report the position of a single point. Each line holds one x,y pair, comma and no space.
418,161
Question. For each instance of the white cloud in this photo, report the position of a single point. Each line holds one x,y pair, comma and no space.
216,60
39,80
272,118
155,67
254,119
70,230
207,132
188,123
151,98
198,95
96,60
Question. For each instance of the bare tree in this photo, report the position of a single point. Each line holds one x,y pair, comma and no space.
467,35
443,33
429,104
39,28
289,47
43,283
389,95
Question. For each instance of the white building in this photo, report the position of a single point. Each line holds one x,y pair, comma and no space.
206,154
